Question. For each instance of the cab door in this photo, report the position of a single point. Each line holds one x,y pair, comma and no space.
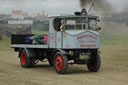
59,39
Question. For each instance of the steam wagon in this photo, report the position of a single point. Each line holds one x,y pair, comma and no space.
72,39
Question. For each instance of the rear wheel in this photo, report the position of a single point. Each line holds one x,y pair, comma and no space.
94,63
26,61
50,60
60,63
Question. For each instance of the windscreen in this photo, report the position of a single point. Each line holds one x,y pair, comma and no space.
80,24
75,24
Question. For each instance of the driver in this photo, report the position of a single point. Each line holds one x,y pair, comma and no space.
60,26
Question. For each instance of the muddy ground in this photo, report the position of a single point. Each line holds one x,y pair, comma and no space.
114,69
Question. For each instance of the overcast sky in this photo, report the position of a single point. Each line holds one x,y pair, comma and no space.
51,6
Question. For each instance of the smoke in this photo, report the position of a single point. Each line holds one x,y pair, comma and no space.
102,7
84,3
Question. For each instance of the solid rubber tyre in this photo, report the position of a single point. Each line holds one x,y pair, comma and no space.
51,62
25,60
60,63
94,63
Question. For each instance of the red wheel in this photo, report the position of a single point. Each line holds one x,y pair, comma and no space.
25,60
60,63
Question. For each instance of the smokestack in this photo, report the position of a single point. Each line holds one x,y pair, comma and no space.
83,4
82,13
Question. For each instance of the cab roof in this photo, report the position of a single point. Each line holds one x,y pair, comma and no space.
74,16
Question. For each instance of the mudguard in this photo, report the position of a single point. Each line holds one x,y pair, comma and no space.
30,52
62,51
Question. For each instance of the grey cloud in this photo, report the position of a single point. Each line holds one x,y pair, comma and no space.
52,6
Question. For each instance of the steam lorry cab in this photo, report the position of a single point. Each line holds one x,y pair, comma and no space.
70,40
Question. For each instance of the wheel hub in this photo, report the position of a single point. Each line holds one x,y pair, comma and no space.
23,58
58,63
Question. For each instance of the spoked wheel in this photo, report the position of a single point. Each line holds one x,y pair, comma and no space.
26,61
94,63
23,58
60,63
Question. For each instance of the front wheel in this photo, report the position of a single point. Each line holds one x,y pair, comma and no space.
94,63
60,63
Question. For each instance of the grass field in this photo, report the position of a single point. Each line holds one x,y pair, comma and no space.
114,69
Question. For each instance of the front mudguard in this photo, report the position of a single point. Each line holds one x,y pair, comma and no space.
62,51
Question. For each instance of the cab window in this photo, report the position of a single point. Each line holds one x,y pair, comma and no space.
92,24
